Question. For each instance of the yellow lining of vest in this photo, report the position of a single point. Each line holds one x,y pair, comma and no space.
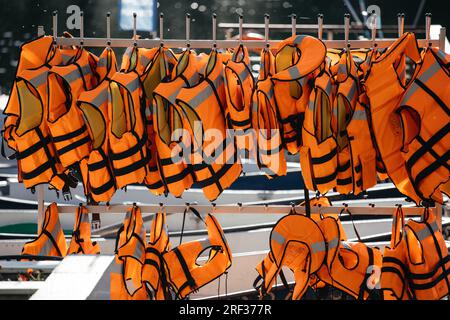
344,111
211,62
322,116
183,63
169,119
192,117
133,59
96,124
286,58
348,258
155,72
119,118
31,109
268,115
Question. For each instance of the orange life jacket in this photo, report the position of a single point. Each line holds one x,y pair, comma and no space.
153,66
240,84
318,155
184,274
81,237
98,178
26,130
425,118
295,62
356,156
353,268
67,126
270,152
51,241
385,93
428,260
296,242
216,166
153,273
394,275
126,278
127,136
168,126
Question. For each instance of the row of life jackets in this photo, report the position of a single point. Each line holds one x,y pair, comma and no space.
416,265
154,270
73,114
51,241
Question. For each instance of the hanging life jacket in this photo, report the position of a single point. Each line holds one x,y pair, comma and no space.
356,156
127,136
67,126
216,166
394,274
385,93
153,66
26,130
153,273
81,237
296,242
355,268
270,152
126,276
428,260
184,274
98,178
318,155
171,140
295,62
239,85
425,118
51,241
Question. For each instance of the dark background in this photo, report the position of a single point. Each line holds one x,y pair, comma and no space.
20,18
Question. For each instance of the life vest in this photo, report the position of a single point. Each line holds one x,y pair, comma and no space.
394,274
428,261
385,93
354,267
216,166
26,130
330,234
81,237
126,278
153,66
184,274
158,70
239,85
318,155
296,242
170,138
296,60
98,178
51,241
356,156
67,126
153,273
425,118
270,152
127,136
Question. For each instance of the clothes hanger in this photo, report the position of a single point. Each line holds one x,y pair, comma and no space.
347,31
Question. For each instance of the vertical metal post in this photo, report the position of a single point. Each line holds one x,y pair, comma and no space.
347,31
320,24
